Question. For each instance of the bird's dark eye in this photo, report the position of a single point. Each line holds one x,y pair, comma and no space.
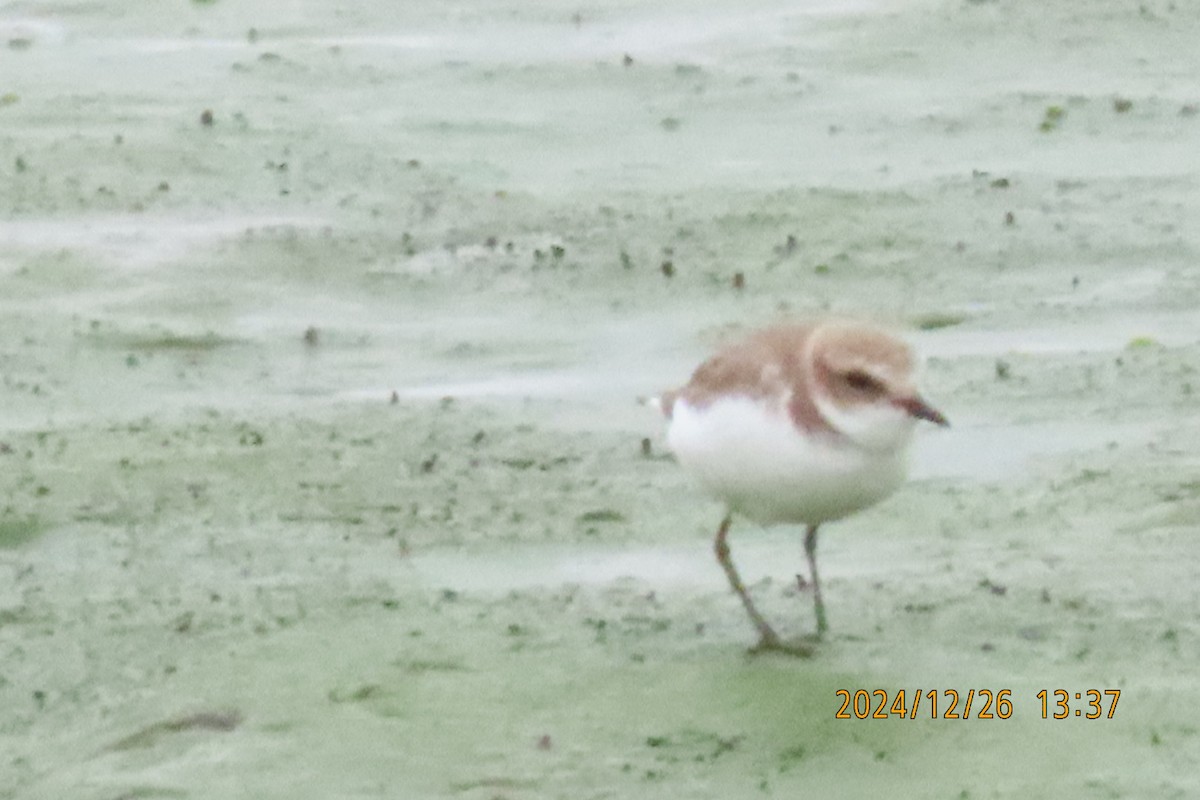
862,382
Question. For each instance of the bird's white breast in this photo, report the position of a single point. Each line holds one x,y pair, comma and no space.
751,455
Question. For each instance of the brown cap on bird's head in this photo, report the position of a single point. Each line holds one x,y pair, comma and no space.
856,366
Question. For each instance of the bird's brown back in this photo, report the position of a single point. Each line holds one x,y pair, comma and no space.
766,366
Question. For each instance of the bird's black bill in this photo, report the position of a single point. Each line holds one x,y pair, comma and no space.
918,408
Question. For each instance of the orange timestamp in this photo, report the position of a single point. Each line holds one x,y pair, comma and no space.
1093,700
981,703
944,704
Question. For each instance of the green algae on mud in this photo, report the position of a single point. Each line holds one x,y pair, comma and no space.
486,588
157,341
16,531
243,580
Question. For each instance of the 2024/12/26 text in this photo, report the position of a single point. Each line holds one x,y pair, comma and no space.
983,703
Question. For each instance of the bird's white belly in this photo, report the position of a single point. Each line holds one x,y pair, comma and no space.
755,459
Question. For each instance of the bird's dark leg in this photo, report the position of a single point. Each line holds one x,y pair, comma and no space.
810,550
768,639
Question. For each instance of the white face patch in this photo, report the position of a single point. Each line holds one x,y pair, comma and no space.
878,427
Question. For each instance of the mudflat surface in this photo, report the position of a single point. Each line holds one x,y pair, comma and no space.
321,329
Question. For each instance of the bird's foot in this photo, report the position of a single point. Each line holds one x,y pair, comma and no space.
813,639
771,643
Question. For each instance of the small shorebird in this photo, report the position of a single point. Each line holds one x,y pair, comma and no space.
804,424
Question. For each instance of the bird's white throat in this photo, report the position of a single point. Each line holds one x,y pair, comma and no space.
877,427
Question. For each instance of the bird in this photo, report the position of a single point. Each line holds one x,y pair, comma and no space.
799,423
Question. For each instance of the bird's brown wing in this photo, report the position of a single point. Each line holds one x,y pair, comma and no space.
766,366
